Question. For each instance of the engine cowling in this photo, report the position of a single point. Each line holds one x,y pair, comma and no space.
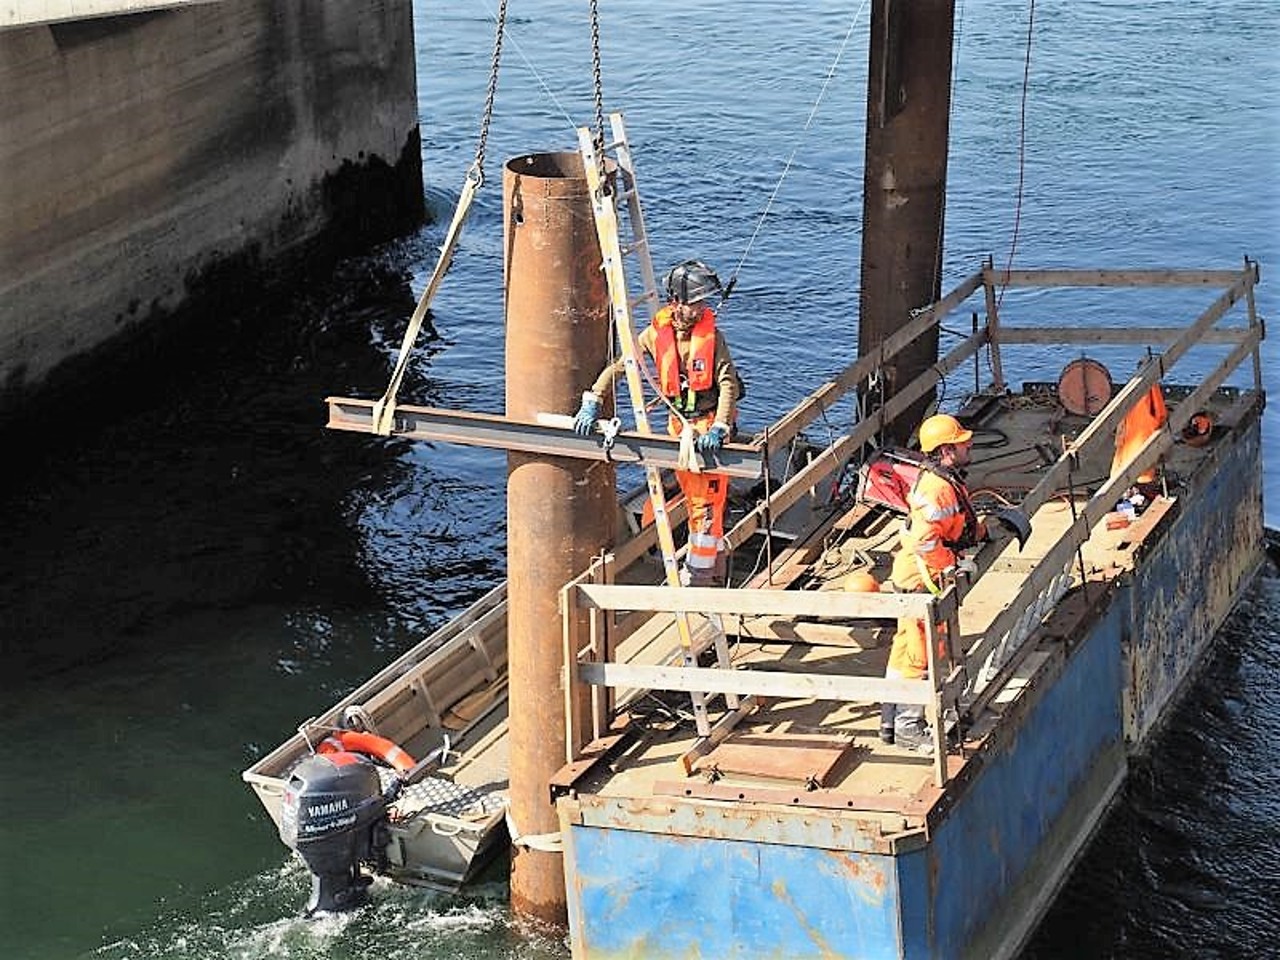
334,817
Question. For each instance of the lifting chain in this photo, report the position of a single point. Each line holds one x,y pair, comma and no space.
477,167
385,407
597,79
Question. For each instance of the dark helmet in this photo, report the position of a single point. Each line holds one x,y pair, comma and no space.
691,282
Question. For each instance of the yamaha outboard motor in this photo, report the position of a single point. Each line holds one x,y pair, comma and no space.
335,817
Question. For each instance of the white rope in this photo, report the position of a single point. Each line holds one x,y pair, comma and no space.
688,456
545,842
672,409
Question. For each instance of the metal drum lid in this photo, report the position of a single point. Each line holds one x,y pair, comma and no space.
1084,387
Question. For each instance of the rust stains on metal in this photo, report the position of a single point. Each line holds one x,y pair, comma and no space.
809,759
872,882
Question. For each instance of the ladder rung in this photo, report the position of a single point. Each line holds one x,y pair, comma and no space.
649,295
701,638
638,244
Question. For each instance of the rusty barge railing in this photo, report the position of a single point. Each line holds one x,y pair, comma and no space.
1100,431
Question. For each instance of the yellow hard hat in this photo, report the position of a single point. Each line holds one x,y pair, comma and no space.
942,428
860,581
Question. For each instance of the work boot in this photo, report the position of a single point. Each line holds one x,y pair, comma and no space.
699,578
888,711
914,735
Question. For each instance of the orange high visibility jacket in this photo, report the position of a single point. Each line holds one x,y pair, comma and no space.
699,375
940,520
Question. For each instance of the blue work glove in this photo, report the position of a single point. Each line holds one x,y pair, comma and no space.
713,439
584,422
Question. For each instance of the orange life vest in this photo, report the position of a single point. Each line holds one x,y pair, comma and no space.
699,376
1143,420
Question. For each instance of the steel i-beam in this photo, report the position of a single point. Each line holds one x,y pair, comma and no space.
502,433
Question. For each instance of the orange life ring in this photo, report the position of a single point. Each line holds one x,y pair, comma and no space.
357,741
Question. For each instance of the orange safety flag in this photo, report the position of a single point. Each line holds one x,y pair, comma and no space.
1146,417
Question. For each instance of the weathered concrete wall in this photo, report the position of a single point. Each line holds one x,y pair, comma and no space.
149,160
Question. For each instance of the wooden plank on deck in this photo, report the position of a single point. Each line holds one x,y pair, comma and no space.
802,757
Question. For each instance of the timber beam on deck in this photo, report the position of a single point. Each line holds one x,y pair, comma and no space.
490,430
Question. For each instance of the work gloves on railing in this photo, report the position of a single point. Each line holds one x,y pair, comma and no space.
713,439
584,421
584,424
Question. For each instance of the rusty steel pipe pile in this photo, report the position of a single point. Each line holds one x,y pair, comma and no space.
560,511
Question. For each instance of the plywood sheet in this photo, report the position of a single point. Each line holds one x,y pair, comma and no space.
799,757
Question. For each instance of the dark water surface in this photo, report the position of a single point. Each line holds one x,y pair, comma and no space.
244,567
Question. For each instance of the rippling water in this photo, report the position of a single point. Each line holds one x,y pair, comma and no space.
244,568
1187,863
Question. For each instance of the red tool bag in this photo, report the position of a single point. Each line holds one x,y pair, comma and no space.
888,477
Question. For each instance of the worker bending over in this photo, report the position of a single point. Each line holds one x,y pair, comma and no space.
700,383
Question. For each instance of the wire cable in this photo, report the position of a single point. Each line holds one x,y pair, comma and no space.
764,214
1022,155
951,93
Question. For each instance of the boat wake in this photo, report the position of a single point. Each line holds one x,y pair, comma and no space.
259,918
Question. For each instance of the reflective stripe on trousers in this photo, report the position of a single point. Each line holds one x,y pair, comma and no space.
706,494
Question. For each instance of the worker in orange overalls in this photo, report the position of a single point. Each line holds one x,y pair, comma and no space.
940,524
698,379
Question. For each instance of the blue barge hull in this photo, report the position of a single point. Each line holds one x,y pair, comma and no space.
965,870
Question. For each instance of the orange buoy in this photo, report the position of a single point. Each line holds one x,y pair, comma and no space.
357,741
860,581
